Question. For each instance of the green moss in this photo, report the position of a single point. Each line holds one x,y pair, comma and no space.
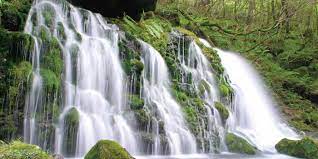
19,150
106,149
239,145
305,148
136,102
52,59
50,80
222,110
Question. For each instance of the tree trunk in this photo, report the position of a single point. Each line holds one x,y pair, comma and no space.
286,22
273,10
251,8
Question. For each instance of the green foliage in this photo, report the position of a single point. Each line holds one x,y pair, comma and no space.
239,145
19,150
106,149
305,148
13,14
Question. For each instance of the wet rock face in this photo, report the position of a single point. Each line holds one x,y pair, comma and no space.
117,8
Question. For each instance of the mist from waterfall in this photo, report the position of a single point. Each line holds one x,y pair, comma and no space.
160,102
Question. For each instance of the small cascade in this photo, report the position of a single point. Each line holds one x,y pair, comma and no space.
92,95
253,114
197,72
158,99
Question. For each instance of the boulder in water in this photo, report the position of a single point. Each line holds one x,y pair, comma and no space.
106,149
237,144
117,8
305,148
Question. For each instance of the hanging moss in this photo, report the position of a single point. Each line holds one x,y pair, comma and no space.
222,110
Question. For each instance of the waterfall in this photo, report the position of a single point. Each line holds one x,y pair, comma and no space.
79,91
93,81
159,100
253,114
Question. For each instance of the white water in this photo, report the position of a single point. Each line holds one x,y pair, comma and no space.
158,98
253,115
93,84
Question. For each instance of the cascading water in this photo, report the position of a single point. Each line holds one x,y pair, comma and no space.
159,100
93,83
197,67
253,115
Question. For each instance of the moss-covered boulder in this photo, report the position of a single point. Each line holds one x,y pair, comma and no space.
20,150
224,113
71,122
239,145
305,148
106,149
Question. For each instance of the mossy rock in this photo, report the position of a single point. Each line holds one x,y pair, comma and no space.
222,110
305,148
20,150
239,145
106,149
71,123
